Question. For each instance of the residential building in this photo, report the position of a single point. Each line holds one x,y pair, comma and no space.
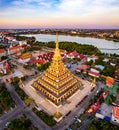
14,50
2,52
115,114
72,55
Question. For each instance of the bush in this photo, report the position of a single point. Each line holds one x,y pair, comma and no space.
6,101
45,117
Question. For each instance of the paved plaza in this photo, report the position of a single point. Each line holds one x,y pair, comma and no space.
49,107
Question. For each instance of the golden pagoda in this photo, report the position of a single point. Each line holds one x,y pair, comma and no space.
57,115
57,83
93,84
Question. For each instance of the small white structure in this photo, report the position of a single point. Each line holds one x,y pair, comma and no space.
22,43
93,58
98,115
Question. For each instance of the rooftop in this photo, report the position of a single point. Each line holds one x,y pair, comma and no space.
2,50
15,47
116,112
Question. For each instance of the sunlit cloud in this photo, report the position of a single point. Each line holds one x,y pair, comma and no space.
59,13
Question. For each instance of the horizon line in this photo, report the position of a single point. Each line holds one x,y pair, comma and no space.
61,28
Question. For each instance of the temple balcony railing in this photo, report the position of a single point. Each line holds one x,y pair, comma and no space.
51,76
56,82
54,91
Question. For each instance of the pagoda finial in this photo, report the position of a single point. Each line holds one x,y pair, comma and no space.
57,115
57,44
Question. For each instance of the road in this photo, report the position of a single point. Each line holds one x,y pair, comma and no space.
19,110
22,109
78,110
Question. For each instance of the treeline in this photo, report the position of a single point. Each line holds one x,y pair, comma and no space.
29,40
71,46
102,125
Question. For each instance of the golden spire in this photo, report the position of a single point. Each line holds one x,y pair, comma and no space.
93,82
57,55
57,114
57,45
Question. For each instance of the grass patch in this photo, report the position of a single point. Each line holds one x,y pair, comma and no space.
48,119
28,101
6,101
20,92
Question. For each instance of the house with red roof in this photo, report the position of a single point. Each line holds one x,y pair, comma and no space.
2,52
14,49
81,56
9,37
83,68
94,73
72,55
24,57
43,58
62,52
40,61
115,114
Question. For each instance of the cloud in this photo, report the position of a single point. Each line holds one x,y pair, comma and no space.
61,12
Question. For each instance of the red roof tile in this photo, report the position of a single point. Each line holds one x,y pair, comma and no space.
116,112
93,73
41,61
74,53
15,47
2,50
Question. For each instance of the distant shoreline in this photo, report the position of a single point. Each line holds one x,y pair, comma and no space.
109,39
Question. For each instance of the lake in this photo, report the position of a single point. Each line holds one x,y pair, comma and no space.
104,45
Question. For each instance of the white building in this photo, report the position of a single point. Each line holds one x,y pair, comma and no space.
22,43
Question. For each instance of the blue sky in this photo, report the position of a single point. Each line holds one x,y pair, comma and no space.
59,14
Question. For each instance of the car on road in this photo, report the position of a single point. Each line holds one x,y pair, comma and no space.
7,124
77,119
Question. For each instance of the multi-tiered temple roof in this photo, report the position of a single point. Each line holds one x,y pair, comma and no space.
57,83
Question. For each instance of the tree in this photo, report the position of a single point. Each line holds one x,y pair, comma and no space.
16,80
21,123
4,57
27,66
90,62
92,127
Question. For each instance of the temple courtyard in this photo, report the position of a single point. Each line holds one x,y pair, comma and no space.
51,108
